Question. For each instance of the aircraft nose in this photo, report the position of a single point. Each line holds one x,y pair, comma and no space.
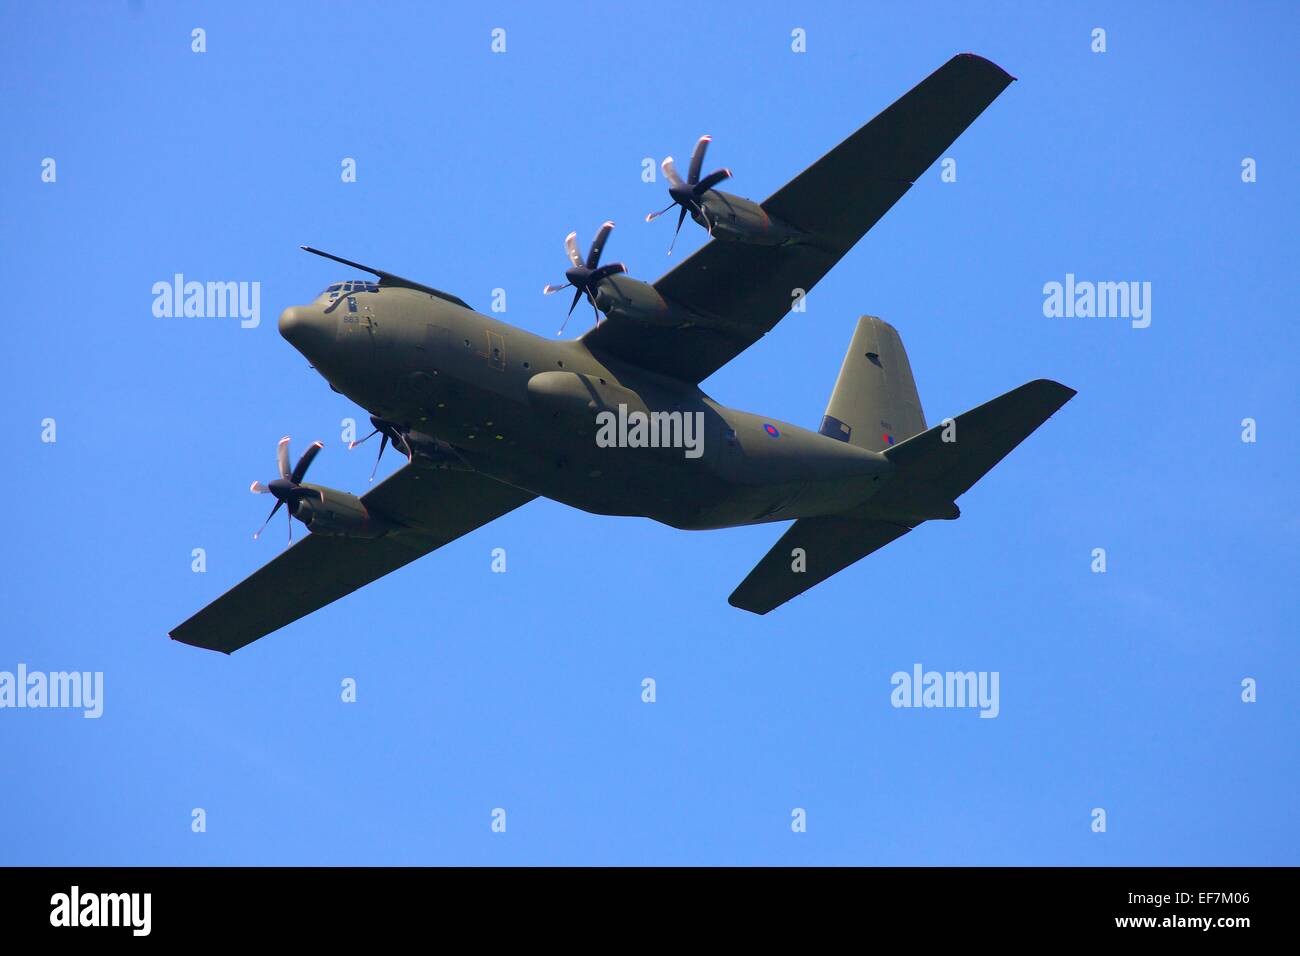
303,328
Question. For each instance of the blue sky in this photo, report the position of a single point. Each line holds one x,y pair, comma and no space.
523,690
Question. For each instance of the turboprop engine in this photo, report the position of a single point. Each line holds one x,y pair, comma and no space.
323,510
339,513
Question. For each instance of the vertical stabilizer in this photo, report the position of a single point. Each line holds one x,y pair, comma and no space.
874,404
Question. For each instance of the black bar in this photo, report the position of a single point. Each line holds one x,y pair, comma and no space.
655,906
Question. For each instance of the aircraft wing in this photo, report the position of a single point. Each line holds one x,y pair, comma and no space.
437,506
746,288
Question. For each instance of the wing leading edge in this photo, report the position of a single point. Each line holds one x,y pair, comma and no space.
746,289
438,506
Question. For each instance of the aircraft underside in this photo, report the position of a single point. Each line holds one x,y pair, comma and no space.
490,416
707,484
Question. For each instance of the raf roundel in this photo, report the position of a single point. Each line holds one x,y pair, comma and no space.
772,430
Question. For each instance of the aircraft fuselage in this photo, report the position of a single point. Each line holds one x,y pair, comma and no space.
527,411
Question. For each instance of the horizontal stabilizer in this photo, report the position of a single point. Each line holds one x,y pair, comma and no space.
931,471
808,553
937,466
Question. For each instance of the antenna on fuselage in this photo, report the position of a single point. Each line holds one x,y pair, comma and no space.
388,278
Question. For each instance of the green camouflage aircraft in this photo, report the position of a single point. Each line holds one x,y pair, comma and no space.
490,416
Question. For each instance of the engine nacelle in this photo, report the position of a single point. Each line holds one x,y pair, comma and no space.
430,452
736,219
339,513
621,296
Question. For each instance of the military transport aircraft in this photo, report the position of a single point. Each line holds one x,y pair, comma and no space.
614,422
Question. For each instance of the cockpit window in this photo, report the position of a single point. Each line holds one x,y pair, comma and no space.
350,288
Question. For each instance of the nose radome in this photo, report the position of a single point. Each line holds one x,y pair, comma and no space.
293,323
307,329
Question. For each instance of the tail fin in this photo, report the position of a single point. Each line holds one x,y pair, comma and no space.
874,404
931,470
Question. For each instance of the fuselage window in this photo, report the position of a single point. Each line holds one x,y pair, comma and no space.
350,288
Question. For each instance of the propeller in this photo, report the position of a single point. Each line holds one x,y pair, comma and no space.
689,194
392,432
287,488
584,276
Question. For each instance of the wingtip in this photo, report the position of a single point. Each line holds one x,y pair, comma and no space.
180,640
984,59
737,600
1062,393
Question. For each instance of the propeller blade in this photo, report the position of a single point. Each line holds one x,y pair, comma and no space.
383,444
697,159
680,219
711,180
258,488
573,305
571,247
598,244
651,217
550,289
353,444
670,171
300,470
604,272
289,516
278,502
282,456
